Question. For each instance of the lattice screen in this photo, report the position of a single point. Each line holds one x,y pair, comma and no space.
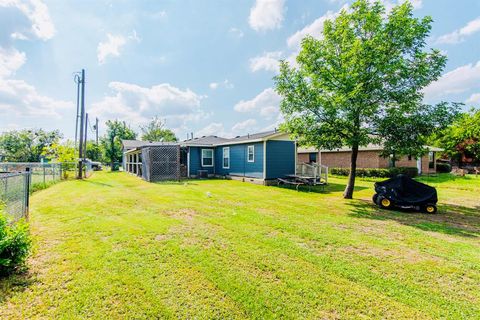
161,163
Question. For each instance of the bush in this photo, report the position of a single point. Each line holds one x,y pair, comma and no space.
376,172
444,167
15,245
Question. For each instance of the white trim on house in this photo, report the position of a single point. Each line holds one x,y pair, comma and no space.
265,159
202,157
223,157
253,153
188,162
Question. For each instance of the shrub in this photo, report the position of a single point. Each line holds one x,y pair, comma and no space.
376,172
444,167
15,245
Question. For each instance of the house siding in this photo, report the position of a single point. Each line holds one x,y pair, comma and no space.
280,159
239,166
196,161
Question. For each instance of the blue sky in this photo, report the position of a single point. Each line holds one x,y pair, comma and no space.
203,66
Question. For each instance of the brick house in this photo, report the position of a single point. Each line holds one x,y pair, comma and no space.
368,157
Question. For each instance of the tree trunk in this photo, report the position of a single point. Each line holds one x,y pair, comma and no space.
348,194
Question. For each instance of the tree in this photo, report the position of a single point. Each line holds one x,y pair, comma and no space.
155,131
63,153
112,141
462,138
363,79
27,145
94,151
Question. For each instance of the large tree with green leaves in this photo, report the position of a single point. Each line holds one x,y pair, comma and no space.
462,138
155,130
27,145
112,140
362,83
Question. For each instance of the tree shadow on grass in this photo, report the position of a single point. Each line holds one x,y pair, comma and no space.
451,220
9,285
102,184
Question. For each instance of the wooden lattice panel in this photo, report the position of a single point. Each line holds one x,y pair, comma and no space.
164,163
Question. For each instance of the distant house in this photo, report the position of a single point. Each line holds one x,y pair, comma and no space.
368,157
256,157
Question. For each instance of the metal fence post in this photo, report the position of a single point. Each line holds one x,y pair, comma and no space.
44,173
27,193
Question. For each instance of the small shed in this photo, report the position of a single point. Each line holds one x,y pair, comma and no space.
153,161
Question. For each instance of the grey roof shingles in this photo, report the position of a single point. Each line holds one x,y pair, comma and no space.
201,141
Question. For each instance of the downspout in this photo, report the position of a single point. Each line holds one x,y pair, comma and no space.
188,162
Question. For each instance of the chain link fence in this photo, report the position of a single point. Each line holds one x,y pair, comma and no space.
14,194
42,173
19,179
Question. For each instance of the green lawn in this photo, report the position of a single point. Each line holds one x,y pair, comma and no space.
114,246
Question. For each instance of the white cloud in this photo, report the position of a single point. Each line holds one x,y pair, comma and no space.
459,35
225,84
136,104
459,80
474,99
266,15
37,13
315,29
244,126
10,61
269,61
22,99
236,32
266,103
111,47
18,36
213,129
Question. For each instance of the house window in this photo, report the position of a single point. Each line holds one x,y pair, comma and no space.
226,158
207,158
251,153
312,157
409,157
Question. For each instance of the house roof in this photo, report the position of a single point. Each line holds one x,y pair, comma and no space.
204,141
132,144
369,147
217,141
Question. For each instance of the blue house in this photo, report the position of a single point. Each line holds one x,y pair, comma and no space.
256,157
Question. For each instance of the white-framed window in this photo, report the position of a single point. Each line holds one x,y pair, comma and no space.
251,153
207,157
226,158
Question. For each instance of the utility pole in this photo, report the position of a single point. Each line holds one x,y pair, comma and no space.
77,81
86,136
82,116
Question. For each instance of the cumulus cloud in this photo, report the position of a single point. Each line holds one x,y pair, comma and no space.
459,80
474,99
236,32
315,29
266,15
111,47
213,129
22,99
459,35
244,126
37,13
136,104
225,84
266,103
269,61
10,61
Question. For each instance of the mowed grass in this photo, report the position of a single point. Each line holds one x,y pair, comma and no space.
114,246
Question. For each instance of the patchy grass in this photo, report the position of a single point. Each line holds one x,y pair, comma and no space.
115,246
